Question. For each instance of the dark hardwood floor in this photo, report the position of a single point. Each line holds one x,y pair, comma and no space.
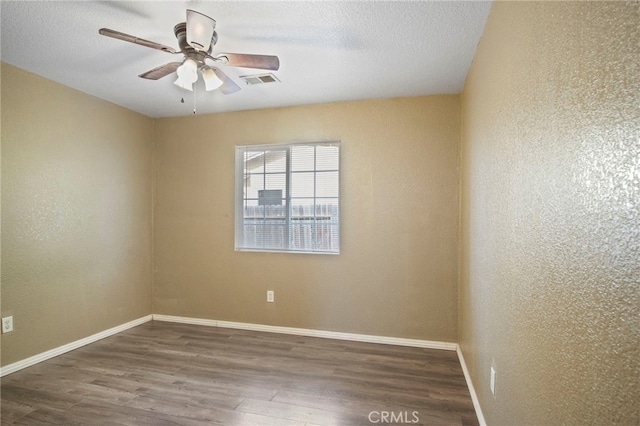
163,373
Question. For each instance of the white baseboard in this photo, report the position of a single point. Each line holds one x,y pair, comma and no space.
472,390
398,341
27,362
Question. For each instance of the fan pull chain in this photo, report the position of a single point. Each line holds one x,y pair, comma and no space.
195,88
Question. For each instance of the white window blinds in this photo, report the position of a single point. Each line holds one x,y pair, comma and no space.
288,197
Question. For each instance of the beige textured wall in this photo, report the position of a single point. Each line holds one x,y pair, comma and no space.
397,271
550,269
76,214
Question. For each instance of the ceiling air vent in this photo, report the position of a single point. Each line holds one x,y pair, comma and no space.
260,79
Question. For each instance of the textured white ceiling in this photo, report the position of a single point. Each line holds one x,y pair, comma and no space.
329,50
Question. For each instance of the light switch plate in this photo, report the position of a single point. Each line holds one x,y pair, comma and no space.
493,381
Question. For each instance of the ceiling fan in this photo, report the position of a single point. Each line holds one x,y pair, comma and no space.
196,39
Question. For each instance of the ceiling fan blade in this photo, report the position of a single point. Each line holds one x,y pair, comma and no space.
136,40
266,62
228,87
161,71
199,30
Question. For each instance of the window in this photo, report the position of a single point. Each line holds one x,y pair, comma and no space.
288,197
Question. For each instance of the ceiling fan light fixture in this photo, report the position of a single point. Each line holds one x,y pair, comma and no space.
211,80
200,29
189,69
187,74
183,84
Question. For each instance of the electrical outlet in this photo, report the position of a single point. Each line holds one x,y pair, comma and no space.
492,382
7,324
270,296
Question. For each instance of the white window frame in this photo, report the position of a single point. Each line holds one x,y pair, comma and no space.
331,222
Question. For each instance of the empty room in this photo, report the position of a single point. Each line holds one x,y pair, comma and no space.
308,213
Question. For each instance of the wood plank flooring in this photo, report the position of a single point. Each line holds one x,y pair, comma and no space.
163,373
